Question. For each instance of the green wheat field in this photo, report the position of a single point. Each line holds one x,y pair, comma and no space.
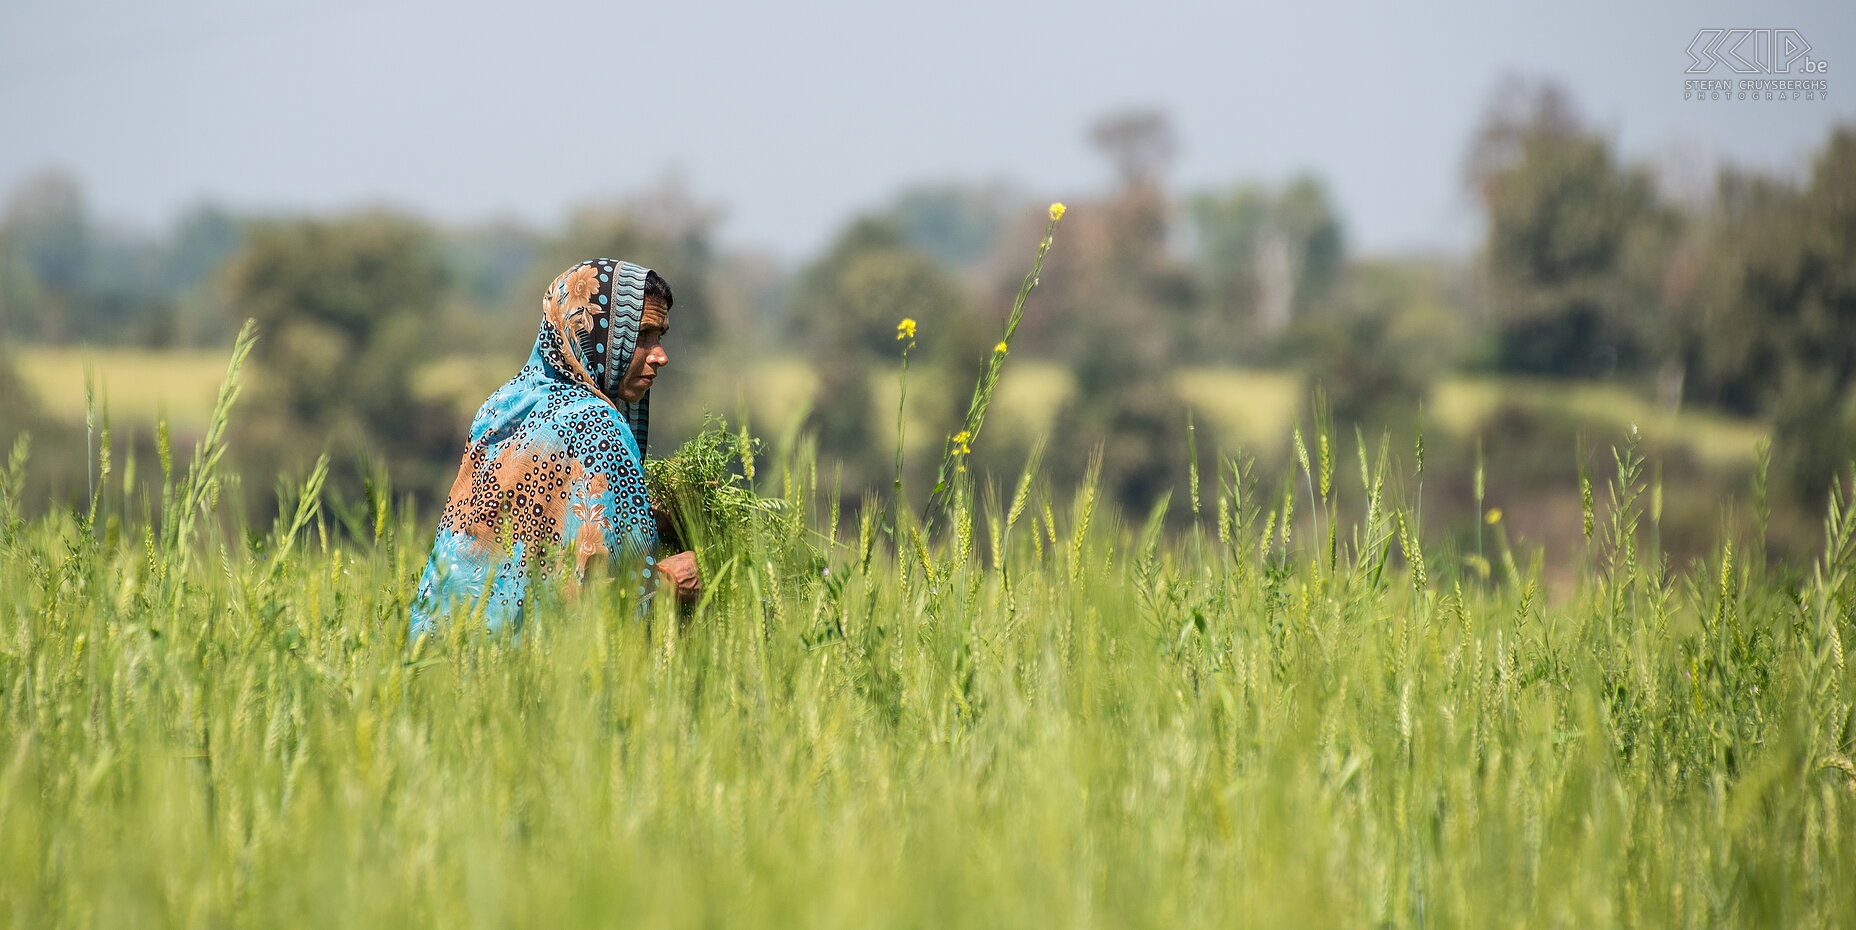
1275,710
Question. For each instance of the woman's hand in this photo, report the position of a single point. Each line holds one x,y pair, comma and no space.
680,571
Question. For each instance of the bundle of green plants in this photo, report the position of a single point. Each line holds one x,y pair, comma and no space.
706,500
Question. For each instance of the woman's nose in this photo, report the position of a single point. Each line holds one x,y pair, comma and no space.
658,356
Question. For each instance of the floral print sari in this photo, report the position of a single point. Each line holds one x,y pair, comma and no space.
552,479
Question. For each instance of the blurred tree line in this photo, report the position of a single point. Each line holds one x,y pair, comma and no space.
1587,270
64,278
1747,303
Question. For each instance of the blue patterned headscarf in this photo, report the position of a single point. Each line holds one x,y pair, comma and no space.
553,475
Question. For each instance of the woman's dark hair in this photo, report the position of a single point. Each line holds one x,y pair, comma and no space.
655,286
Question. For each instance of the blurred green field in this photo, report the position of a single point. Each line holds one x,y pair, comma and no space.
1254,409
1046,715
139,385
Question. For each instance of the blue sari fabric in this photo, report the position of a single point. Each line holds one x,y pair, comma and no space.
552,479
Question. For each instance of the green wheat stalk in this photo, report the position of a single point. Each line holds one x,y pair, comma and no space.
203,479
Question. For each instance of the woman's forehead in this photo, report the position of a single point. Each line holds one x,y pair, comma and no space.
654,315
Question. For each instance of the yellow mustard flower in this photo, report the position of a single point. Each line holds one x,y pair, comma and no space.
960,442
1000,348
1493,517
906,328
1056,212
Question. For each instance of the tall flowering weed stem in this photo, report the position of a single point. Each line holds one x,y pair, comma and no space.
957,449
905,333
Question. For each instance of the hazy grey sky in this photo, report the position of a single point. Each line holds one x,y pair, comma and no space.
794,115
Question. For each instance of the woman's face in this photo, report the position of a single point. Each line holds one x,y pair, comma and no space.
649,356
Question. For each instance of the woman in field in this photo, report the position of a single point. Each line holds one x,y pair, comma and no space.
552,480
